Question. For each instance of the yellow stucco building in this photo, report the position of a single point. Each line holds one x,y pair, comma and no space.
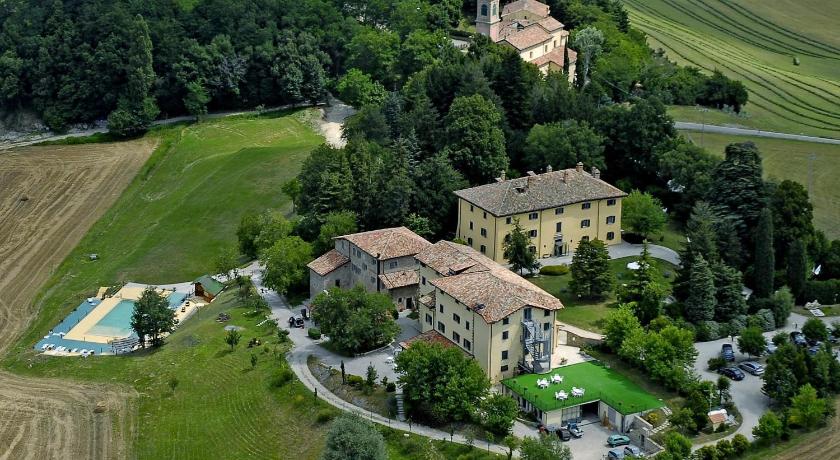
557,209
503,321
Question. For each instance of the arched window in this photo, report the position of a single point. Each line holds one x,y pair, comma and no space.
484,10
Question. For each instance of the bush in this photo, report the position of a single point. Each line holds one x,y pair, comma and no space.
414,314
554,270
716,363
314,333
825,292
740,444
765,320
708,330
391,387
653,418
282,376
355,381
324,416
734,326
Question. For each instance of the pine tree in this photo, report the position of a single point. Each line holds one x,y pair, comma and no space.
796,269
730,300
765,264
738,187
700,304
591,275
517,250
639,278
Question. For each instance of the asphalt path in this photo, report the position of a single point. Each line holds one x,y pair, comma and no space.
751,132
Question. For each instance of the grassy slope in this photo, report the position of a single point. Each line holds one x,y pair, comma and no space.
166,226
755,42
221,407
182,208
588,314
784,159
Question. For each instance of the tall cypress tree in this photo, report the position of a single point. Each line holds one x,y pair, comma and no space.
700,304
730,301
796,269
737,186
765,261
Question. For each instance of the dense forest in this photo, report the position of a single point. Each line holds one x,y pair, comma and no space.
130,62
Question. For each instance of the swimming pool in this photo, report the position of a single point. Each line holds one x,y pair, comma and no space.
176,299
117,323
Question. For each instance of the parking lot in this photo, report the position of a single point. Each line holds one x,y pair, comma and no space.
746,394
593,444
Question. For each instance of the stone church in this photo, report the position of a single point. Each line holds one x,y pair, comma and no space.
527,26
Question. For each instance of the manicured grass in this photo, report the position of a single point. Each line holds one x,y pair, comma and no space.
182,208
599,381
590,314
672,237
221,407
756,42
638,377
815,166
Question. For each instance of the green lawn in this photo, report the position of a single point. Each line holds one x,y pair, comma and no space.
600,383
221,407
182,208
590,314
756,41
815,166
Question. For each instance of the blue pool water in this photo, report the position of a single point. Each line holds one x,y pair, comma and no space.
117,323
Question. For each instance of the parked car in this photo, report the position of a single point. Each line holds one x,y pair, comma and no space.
733,373
814,350
814,342
770,348
616,440
296,321
564,434
615,454
833,339
797,338
633,451
575,430
752,367
726,352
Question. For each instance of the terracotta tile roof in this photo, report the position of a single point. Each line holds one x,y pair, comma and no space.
542,191
550,24
532,6
717,416
448,258
327,262
530,36
399,279
428,299
388,243
555,56
478,282
431,336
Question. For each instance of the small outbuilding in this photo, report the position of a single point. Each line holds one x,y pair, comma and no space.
207,288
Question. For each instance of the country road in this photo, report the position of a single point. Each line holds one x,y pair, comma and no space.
751,132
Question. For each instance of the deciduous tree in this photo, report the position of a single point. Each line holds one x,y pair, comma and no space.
474,140
354,438
642,213
152,317
751,341
517,250
562,145
355,320
285,264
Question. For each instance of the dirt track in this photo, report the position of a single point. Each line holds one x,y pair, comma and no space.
49,198
825,443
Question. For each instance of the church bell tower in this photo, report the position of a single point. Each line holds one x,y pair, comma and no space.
487,19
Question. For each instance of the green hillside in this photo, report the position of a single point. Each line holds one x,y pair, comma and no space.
756,42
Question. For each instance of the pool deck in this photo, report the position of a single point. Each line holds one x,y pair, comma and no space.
73,333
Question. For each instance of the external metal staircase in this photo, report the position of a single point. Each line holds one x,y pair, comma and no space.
536,345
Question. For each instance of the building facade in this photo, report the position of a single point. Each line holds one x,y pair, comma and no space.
527,27
379,260
507,324
557,209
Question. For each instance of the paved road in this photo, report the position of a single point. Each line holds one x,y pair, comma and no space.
621,250
304,346
751,132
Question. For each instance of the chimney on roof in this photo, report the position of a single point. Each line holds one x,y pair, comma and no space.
549,168
579,167
532,173
596,173
503,175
